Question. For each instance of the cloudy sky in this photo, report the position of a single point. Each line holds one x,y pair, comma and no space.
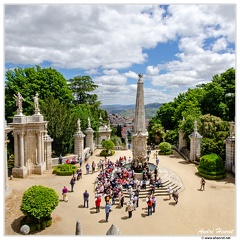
175,47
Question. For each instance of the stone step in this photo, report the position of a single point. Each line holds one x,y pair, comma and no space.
162,191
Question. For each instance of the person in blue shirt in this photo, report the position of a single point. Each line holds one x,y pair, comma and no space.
107,210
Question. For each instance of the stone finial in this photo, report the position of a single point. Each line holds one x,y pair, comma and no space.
195,126
100,117
113,230
79,125
89,122
140,77
78,228
232,129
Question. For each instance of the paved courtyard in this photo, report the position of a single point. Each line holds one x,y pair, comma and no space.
198,213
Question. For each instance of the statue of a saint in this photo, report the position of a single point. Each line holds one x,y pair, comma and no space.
19,100
35,98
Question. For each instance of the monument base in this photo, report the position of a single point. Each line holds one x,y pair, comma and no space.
19,172
39,169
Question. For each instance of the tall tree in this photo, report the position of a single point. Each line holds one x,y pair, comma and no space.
46,81
62,124
82,87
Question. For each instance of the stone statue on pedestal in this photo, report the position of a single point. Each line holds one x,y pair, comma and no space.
19,100
35,98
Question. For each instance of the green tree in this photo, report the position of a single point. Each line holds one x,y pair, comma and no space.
62,124
157,132
39,202
46,81
108,145
81,87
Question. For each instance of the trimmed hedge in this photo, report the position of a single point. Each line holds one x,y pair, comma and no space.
211,167
65,169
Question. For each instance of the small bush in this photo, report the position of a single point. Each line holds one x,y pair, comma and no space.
38,202
211,167
65,169
165,148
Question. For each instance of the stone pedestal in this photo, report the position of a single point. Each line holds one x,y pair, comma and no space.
181,142
79,144
20,172
89,139
195,145
39,169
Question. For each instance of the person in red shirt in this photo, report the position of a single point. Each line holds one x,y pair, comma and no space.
97,203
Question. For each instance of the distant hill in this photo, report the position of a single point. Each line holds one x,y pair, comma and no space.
129,110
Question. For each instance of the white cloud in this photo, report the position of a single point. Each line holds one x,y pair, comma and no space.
151,70
220,44
107,40
131,74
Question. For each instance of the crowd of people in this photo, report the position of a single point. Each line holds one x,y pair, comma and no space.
113,179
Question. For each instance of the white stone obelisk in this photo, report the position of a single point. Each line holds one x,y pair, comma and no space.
140,134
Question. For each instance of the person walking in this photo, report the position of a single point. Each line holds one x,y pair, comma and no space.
129,208
154,200
86,198
170,191
203,182
98,202
149,203
93,167
175,195
72,182
80,161
87,168
107,210
64,193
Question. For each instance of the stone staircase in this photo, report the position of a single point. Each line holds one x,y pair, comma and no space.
161,191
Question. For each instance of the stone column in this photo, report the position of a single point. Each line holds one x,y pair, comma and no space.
182,142
8,189
89,136
79,141
16,158
230,150
39,148
21,150
195,144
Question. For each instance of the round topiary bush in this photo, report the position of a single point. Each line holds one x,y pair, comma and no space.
38,203
165,148
211,167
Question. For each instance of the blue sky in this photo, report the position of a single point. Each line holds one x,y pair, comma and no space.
175,46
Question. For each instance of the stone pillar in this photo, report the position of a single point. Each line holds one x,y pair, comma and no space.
16,158
182,142
230,150
48,151
79,144
195,144
39,148
8,189
21,144
89,136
